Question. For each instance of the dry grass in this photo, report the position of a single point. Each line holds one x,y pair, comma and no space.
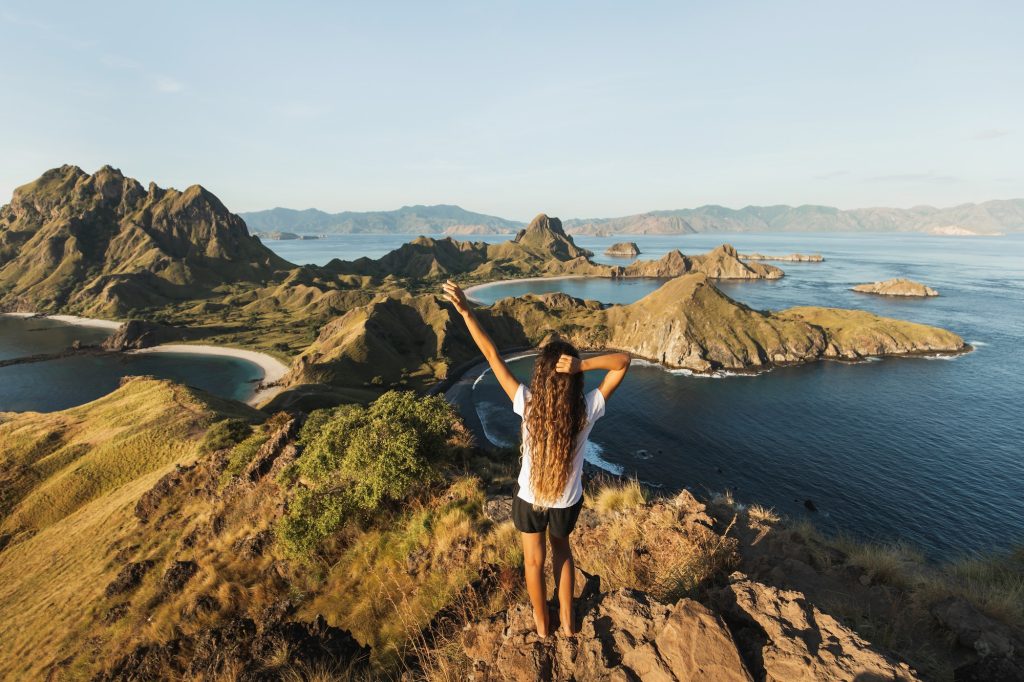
764,516
617,496
662,548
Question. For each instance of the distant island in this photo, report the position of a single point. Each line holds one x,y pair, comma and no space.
989,218
896,287
791,258
623,250
286,236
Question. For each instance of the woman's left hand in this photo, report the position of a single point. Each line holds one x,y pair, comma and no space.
567,364
455,296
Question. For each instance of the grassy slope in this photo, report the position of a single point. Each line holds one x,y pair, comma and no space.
77,476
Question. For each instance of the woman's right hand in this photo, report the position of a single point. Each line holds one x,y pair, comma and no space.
453,292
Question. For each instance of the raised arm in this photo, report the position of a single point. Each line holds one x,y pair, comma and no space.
617,364
457,298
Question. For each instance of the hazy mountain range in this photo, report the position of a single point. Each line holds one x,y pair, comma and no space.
986,218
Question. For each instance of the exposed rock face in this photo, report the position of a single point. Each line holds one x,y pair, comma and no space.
687,323
790,258
102,244
896,287
623,250
627,635
623,635
792,641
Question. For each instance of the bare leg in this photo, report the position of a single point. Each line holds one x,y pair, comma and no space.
533,561
565,570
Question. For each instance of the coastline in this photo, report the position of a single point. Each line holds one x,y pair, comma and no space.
273,369
486,285
72,319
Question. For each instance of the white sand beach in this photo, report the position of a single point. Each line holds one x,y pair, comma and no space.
273,369
73,319
477,287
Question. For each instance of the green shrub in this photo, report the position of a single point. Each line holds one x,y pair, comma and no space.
312,516
242,454
356,458
225,434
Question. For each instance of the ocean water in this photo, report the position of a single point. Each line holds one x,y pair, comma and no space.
926,450
65,382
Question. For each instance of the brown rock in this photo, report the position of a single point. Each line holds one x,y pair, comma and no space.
793,641
896,287
623,250
624,635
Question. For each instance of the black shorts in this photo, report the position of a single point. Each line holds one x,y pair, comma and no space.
558,520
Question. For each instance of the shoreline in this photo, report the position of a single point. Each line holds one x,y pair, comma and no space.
76,320
273,369
486,285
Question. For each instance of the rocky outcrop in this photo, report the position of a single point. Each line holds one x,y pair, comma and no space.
787,639
623,250
896,287
790,258
623,635
137,334
752,631
103,244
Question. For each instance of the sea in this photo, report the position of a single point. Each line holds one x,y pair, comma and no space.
923,450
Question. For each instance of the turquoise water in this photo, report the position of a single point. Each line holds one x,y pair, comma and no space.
917,449
58,384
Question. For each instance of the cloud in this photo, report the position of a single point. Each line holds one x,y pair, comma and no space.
991,134
168,85
831,174
916,178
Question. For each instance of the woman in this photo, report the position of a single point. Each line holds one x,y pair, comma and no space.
557,418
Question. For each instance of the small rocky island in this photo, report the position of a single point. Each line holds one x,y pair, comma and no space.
896,287
623,250
790,258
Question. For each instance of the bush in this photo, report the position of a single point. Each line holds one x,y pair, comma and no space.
242,454
356,458
225,434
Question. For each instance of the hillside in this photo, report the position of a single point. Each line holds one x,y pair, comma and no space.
401,338
440,218
102,244
986,217
375,543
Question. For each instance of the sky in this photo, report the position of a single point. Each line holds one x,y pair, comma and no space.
576,109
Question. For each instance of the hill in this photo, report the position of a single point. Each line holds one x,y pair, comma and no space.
400,338
440,218
986,217
102,244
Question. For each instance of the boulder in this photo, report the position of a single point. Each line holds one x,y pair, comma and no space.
787,639
624,635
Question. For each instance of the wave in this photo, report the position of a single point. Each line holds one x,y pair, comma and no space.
592,454
716,374
977,344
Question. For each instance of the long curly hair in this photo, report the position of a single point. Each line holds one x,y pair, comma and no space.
555,415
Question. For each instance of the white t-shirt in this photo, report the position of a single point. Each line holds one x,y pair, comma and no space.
574,486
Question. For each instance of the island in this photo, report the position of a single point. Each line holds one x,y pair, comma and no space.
896,287
623,250
790,258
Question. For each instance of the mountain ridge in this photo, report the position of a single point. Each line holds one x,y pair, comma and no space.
984,217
